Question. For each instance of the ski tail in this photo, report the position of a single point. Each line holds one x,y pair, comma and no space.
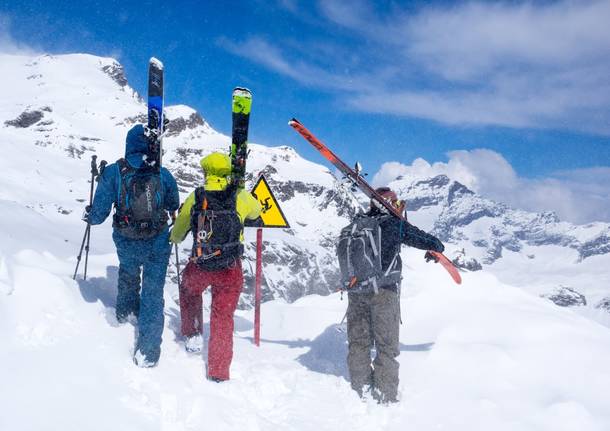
351,174
318,145
241,107
448,265
357,179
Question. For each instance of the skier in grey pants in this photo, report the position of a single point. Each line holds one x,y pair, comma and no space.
373,312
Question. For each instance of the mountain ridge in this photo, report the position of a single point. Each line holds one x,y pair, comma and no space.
72,106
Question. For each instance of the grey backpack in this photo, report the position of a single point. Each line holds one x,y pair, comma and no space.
359,253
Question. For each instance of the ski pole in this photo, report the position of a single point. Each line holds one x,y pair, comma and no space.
173,217
177,263
95,175
87,236
80,252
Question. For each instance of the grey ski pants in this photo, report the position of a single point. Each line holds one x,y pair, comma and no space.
373,320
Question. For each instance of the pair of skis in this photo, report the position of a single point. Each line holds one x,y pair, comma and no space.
353,175
241,105
156,125
154,128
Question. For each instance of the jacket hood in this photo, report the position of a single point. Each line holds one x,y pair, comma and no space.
136,145
216,164
217,169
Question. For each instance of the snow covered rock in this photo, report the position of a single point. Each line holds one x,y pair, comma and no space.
462,261
566,297
27,118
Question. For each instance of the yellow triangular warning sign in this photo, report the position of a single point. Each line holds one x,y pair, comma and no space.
272,214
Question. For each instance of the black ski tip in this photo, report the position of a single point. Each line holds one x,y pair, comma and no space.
293,121
156,62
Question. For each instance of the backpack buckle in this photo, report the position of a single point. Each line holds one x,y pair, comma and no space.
203,235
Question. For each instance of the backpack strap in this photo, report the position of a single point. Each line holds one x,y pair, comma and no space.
199,194
391,265
123,169
200,208
349,244
123,165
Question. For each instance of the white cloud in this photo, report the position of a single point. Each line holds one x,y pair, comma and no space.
8,45
515,64
579,196
509,64
474,39
273,57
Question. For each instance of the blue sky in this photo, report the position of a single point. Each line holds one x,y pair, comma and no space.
378,81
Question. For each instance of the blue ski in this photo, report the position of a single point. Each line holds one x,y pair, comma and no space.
155,109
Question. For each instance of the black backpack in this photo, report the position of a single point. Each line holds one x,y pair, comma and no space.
359,252
216,228
139,212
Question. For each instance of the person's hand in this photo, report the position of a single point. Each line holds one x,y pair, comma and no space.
430,257
86,213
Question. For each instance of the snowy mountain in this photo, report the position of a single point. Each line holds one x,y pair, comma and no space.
59,110
463,216
536,251
493,353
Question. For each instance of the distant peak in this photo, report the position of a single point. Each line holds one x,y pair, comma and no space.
458,190
436,182
181,118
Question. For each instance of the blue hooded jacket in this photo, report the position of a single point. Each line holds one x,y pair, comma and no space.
108,187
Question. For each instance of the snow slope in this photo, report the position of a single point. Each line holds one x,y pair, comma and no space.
480,356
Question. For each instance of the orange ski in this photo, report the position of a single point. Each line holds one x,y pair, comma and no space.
357,179
446,263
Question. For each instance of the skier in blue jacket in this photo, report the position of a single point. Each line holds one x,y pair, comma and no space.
142,196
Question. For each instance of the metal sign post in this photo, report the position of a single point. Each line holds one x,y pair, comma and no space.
257,286
271,217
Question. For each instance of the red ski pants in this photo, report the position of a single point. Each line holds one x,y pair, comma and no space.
226,286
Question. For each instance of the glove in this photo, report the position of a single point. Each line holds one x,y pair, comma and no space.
429,256
86,213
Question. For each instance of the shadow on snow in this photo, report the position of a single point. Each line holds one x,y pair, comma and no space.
328,351
103,289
